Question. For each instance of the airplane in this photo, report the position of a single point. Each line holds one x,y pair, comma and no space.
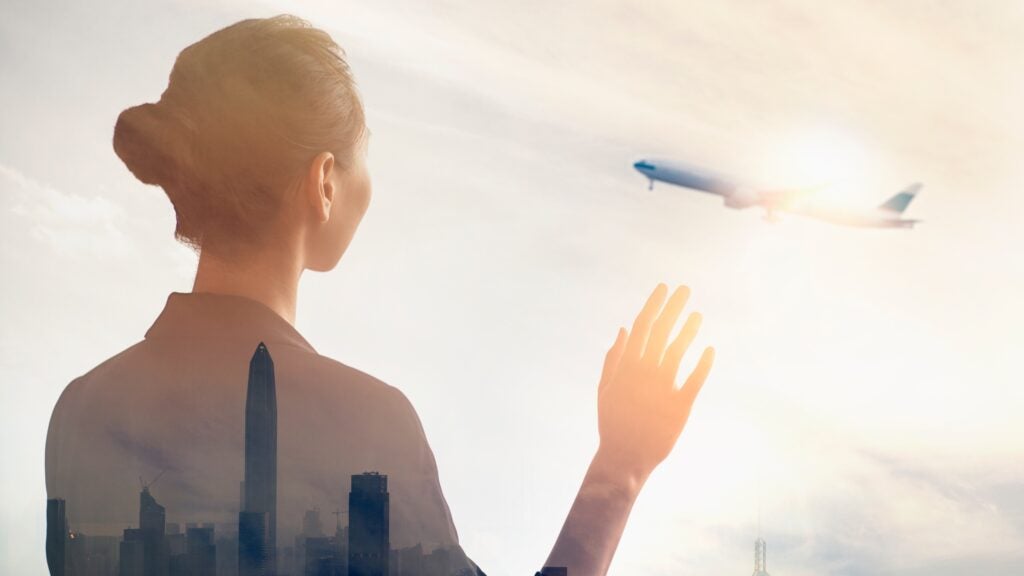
887,215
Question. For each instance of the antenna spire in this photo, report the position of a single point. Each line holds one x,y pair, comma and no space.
759,516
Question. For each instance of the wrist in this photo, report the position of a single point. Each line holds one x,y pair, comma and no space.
610,468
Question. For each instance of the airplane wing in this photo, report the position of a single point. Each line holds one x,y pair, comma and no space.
788,200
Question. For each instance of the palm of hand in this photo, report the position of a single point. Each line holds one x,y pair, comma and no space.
640,411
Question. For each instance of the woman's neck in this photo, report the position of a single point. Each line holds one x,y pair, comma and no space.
270,278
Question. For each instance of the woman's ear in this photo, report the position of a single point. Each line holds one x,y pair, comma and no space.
321,189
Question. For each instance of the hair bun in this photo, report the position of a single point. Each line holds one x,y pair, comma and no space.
149,142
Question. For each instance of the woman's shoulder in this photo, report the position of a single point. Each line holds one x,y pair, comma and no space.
330,379
93,380
81,407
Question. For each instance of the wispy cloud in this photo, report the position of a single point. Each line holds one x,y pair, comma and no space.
68,224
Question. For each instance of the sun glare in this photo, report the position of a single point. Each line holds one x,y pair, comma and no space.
829,160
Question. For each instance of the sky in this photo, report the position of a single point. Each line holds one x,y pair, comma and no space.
863,414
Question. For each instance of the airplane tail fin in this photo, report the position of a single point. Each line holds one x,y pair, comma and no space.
898,203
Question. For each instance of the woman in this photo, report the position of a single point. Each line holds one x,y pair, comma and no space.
259,142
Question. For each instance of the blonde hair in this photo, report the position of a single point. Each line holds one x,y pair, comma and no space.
245,111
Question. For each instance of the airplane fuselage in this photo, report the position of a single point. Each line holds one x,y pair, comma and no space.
738,197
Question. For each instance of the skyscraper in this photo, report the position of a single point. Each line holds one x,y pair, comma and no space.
311,525
56,536
200,558
760,557
257,522
152,516
144,550
253,544
369,539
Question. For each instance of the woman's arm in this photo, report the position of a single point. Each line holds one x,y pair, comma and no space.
640,415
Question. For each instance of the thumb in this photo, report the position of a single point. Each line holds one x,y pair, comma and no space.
612,358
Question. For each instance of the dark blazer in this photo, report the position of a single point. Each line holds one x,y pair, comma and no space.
173,406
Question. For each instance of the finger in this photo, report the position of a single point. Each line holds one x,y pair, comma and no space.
642,325
675,352
611,359
664,324
688,393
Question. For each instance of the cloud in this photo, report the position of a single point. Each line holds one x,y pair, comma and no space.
69,224
895,513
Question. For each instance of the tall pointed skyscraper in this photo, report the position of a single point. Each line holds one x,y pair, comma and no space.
257,522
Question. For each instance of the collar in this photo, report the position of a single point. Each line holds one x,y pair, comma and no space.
197,314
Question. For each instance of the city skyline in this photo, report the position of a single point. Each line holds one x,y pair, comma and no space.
152,549
159,548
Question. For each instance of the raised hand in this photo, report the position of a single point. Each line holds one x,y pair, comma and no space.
640,415
640,411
